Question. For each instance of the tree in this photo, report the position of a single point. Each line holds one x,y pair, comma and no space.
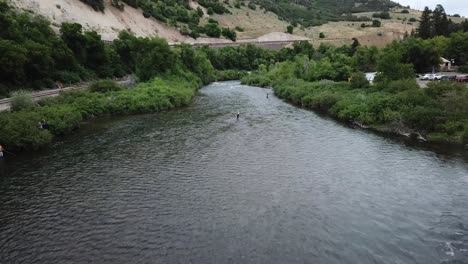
421,53
440,21
290,29
229,34
391,68
321,35
425,24
212,30
97,5
153,57
365,59
376,23
359,80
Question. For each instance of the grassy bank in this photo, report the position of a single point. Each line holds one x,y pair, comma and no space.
436,114
65,113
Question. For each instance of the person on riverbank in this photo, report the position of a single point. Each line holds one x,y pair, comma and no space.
1,151
43,124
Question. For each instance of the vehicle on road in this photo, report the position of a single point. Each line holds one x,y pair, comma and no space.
427,76
462,78
431,76
437,76
448,78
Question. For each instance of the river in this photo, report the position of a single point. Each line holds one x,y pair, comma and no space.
195,185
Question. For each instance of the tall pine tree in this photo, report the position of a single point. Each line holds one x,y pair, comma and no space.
425,24
440,21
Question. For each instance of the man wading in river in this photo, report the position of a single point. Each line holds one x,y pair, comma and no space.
238,114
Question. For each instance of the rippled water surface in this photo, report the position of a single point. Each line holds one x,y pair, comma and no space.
279,185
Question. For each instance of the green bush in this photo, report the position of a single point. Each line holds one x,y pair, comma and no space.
400,85
376,23
322,35
22,100
67,77
61,119
19,130
240,29
228,75
359,80
289,29
104,86
463,68
465,136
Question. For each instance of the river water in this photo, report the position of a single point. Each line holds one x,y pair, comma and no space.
279,185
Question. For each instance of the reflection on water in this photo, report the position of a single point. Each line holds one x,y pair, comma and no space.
279,185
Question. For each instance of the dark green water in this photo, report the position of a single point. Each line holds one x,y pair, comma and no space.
279,185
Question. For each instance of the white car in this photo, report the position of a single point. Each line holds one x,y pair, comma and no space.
437,76
431,76
427,76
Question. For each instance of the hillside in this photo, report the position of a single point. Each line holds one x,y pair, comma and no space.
107,23
251,20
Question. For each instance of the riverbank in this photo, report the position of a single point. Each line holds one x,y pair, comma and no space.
437,114
65,113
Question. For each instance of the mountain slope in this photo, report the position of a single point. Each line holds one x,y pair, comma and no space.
255,20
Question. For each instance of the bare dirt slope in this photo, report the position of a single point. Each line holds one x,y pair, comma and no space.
108,24
255,23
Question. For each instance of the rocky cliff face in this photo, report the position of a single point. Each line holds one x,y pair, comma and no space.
108,23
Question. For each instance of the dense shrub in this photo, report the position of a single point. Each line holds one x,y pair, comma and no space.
22,100
463,68
20,130
104,86
65,112
230,75
359,80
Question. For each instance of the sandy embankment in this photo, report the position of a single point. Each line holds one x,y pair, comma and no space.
108,24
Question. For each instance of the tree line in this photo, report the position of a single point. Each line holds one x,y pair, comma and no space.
436,23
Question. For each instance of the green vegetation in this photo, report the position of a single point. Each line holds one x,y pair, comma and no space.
394,103
97,5
289,29
64,113
228,75
317,12
436,23
382,15
21,100
311,77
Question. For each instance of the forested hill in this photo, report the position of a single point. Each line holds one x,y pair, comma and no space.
317,12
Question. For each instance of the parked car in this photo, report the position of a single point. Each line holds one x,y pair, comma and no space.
437,76
448,78
427,76
462,78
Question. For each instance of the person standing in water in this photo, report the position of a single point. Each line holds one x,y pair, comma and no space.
267,95
238,114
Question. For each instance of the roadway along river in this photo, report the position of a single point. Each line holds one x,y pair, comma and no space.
279,185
